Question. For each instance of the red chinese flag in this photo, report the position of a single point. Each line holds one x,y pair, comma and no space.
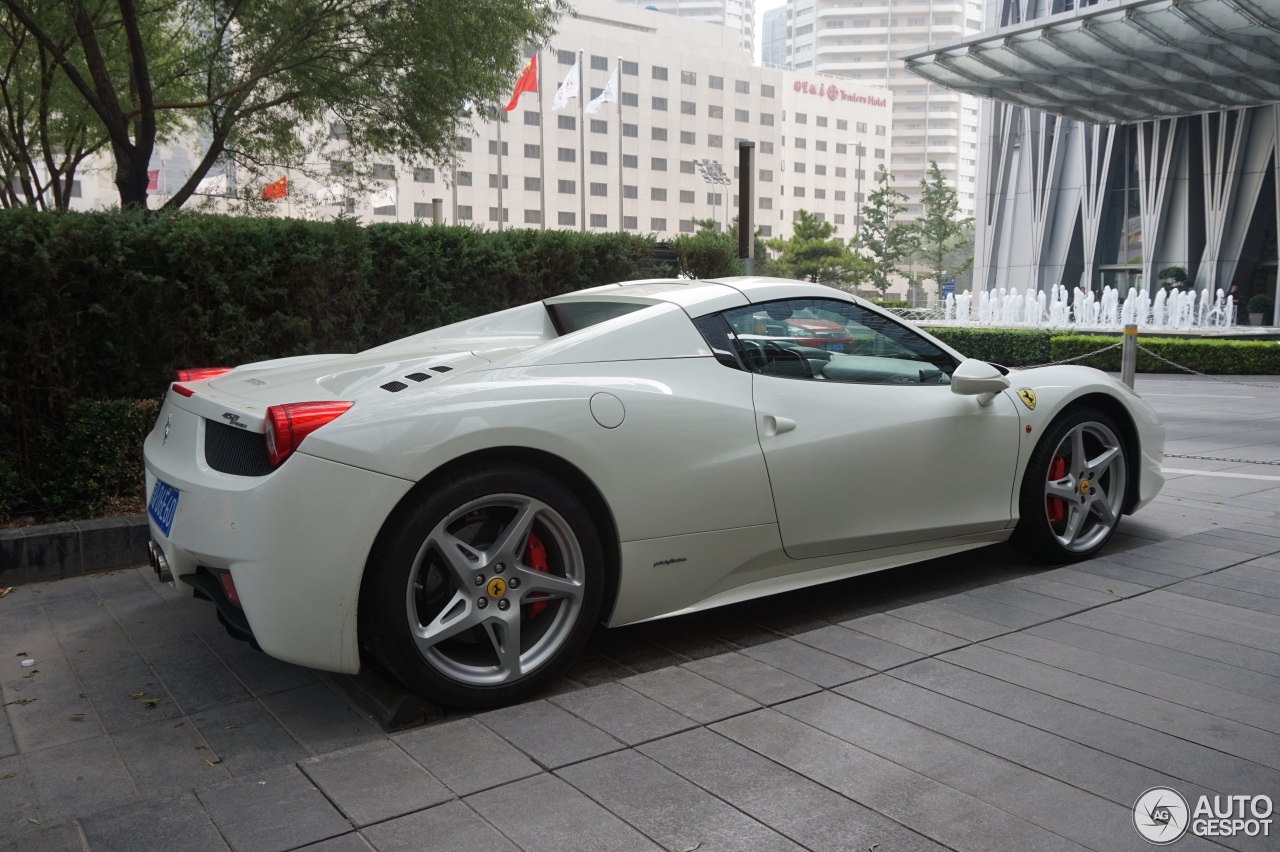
275,190
528,82
153,178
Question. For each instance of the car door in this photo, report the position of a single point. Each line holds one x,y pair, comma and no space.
865,443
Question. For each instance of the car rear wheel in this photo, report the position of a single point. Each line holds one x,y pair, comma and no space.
486,589
1074,489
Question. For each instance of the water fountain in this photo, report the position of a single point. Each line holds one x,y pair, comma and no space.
1163,309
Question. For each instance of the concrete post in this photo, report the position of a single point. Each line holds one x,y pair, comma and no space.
1129,355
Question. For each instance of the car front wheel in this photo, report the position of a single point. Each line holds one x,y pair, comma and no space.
486,589
1074,488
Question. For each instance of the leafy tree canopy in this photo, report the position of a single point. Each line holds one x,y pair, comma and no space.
884,240
814,253
259,82
946,237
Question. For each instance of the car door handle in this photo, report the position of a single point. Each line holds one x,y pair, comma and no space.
777,425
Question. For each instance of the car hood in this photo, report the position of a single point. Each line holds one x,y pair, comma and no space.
374,373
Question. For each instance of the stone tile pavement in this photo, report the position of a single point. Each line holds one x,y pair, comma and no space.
972,702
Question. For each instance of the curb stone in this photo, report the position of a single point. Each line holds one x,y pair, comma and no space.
45,552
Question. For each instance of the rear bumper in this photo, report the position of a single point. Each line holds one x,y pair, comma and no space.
295,541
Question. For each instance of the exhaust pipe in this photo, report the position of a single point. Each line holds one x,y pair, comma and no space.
158,563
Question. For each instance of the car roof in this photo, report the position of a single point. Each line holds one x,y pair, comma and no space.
703,296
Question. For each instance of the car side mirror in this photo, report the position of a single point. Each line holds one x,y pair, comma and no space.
978,378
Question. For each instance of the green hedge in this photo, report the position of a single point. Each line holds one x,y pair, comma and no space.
1025,347
104,306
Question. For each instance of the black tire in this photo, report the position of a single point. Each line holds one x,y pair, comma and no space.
478,514
1094,492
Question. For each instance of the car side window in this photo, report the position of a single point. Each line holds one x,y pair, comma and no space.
829,340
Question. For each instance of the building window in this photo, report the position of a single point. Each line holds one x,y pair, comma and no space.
741,115
766,91
532,217
714,111
566,57
599,189
799,168
337,130
766,230
599,220
713,198
493,181
842,124
566,187
687,226
566,155
531,118
822,121
802,118
658,164
819,169
388,210
599,158
631,69
658,225
862,127
687,167
800,142
839,219
658,134
688,137
564,218
715,140
766,175
421,210
532,184
341,168
656,194
688,196
880,130
840,196
630,223
532,152
464,143
879,153
464,178
766,147
841,171
493,147
599,126
688,108
629,191
659,73
742,87
688,78
819,193
630,99
842,148
766,119
630,161
599,63
567,122
659,104
424,175
820,144
715,82
766,203
631,130
798,191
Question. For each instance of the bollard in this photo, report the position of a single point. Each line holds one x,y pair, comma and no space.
1129,355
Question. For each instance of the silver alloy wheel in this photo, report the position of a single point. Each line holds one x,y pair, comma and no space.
1091,488
481,632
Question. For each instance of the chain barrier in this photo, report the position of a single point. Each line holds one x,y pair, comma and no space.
1074,357
1219,459
1205,375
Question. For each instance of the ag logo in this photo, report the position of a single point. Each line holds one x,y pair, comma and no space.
1160,815
1028,397
497,588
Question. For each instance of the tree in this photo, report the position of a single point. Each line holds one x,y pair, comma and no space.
708,253
887,241
942,230
814,253
46,131
261,82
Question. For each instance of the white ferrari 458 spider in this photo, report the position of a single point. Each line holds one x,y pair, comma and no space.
466,504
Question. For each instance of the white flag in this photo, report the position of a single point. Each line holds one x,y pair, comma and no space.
383,196
568,89
334,193
216,185
610,93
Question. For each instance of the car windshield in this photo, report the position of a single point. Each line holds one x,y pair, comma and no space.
568,317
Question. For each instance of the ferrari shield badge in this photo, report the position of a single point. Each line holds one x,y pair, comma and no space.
1028,397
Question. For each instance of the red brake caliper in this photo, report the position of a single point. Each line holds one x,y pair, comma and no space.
535,556
1056,509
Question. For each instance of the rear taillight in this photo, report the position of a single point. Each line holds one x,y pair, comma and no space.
288,424
229,587
182,390
199,374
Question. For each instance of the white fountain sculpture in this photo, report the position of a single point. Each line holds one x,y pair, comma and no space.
1059,307
949,307
962,307
1158,308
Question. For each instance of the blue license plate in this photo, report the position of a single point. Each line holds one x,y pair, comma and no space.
834,347
163,505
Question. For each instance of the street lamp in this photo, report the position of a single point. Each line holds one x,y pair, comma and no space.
860,151
713,175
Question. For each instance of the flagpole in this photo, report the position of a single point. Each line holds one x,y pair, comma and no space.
288,202
499,120
582,144
621,189
542,154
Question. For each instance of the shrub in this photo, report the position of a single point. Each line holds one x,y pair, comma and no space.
1012,347
707,254
1256,357
1260,303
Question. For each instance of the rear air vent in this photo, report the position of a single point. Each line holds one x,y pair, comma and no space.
394,387
237,451
441,369
418,377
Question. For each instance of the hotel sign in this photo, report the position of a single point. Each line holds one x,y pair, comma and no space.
832,92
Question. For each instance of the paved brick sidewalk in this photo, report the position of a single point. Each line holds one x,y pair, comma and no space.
971,702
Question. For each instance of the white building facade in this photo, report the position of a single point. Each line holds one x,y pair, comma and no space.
687,94
737,15
863,40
